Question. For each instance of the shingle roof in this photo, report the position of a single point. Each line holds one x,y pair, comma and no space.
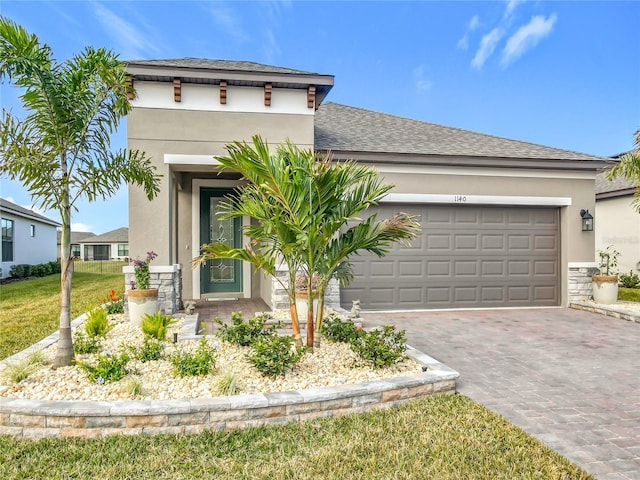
230,65
617,184
344,128
119,235
77,237
10,207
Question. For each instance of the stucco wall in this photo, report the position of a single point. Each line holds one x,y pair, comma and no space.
618,224
41,248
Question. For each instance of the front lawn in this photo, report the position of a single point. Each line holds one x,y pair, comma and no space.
442,437
629,294
30,309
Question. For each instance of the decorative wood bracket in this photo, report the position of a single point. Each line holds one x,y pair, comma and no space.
177,90
130,92
311,97
267,94
223,92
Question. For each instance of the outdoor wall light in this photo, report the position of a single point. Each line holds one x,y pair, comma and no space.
587,221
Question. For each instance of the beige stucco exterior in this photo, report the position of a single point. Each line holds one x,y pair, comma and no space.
182,137
617,223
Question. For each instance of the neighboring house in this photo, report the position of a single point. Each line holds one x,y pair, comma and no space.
76,239
113,245
501,218
617,222
27,236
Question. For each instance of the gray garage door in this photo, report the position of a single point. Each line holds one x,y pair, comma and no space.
465,257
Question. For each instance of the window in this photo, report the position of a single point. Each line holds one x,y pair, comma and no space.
32,230
123,250
75,251
7,240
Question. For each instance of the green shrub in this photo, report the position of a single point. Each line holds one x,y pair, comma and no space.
155,326
201,362
114,307
273,355
337,330
631,280
152,349
242,332
381,347
108,368
97,324
21,270
55,267
83,343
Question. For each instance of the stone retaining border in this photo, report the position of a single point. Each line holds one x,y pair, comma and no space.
615,310
89,419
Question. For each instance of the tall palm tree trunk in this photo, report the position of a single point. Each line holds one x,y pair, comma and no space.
316,338
64,352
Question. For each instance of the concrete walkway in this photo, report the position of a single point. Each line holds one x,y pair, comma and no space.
570,378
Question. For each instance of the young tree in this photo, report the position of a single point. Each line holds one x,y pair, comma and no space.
629,167
306,207
61,150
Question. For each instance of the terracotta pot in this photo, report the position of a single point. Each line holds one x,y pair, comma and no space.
605,289
142,302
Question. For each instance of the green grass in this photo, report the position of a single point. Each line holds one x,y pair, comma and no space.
30,309
629,294
442,437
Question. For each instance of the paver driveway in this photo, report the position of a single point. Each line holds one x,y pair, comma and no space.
569,378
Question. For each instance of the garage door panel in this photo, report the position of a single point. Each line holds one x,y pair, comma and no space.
466,256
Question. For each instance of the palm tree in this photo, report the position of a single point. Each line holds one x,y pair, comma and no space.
303,203
629,167
61,150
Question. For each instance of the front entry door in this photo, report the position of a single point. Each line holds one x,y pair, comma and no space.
220,275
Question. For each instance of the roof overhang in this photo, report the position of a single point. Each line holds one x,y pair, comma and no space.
213,76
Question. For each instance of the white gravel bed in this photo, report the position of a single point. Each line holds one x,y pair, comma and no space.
331,364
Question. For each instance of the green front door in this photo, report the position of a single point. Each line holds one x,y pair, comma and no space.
221,275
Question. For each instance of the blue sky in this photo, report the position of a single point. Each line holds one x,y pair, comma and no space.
562,74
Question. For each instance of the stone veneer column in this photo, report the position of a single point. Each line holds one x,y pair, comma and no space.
167,279
580,285
279,298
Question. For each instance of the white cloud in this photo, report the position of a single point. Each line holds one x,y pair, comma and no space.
527,37
422,84
133,43
474,23
228,21
487,46
270,47
511,6
80,227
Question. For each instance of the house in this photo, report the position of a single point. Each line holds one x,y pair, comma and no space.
113,245
27,237
617,222
501,218
76,239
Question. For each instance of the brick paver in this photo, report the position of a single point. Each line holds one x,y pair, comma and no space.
569,378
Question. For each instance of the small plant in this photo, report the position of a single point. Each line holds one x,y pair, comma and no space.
20,370
152,349
381,347
202,362
273,355
608,261
302,282
141,271
83,343
227,383
113,304
631,280
108,368
134,387
155,326
242,332
337,330
97,324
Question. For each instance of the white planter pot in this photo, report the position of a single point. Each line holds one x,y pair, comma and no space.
605,289
302,306
142,302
